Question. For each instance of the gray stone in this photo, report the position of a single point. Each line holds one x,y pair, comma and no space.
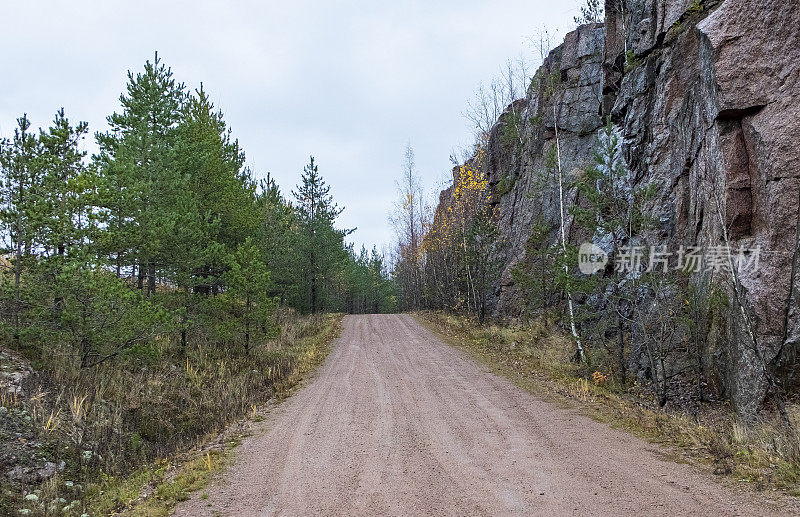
710,114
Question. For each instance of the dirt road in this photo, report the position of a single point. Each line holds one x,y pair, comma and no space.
398,423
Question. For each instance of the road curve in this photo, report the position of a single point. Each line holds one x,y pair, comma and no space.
398,423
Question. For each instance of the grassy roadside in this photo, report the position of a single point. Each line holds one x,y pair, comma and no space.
147,433
764,456
169,484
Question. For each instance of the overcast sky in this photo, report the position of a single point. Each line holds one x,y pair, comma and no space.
349,82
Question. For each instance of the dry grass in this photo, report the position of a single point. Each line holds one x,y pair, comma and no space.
124,425
537,357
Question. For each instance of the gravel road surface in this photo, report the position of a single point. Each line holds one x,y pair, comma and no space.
398,423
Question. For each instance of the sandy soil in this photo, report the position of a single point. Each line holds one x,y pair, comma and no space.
398,423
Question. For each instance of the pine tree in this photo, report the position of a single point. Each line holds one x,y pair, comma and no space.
278,239
536,276
613,213
137,162
320,243
210,165
382,286
67,197
21,176
249,281
101,316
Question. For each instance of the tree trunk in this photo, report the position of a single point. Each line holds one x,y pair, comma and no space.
119,253
579,355
662,399
247,326
314,294
58,301
700,368
85,345
151,279
17,304
621,351
18,265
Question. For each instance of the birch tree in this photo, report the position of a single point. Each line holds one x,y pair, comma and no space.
407,220
579,353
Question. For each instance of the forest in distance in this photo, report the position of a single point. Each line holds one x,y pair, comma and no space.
168,222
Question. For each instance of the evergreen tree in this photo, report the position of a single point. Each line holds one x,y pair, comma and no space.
278,238
483,258
21,175
101,316
383,298
217,190
137,164
320,244
249,283
536,276
613,214
67,195
168,197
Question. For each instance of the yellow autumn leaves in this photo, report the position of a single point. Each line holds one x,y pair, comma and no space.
469,195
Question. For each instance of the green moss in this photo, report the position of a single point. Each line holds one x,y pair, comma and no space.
552,82
631,61
512,124
504,185
696,7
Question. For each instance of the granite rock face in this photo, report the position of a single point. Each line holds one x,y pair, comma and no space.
707,97
566,96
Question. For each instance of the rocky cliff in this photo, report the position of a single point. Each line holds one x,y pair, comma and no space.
707,98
